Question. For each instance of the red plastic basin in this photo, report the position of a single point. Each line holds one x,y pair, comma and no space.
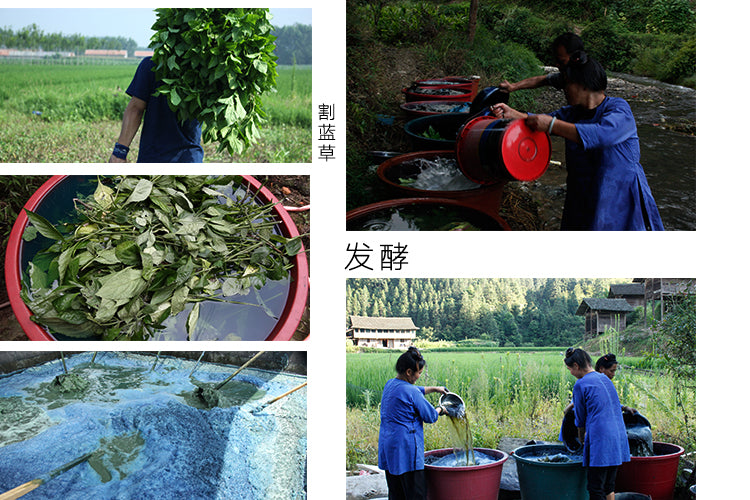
655,476
475,482
419,94
284,328
376,216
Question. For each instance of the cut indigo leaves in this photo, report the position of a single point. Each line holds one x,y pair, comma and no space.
141,252
214,65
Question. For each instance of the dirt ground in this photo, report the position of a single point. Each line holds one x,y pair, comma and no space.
291,191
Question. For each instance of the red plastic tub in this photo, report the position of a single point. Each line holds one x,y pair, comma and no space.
655,475
475,482
397,215
490,150
284,328
485,197
417,109
425,93
460,82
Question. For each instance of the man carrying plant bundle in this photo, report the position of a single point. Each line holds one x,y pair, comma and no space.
204,81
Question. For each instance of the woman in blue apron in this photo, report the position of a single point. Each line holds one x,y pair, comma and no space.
606,185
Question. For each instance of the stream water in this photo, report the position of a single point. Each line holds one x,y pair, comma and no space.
667,155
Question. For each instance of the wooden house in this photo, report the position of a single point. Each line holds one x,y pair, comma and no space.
665,292
603,314
391,333
634,293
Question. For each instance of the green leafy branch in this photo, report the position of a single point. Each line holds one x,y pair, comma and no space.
214,65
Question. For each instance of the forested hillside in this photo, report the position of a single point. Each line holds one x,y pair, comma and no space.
511,312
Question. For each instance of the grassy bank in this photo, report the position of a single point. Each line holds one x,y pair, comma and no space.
72,114
508,394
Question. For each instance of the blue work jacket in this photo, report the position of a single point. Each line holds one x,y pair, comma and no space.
598,409
403,410
606,186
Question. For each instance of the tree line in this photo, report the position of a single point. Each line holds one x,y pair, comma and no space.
33,38
293,43
507,311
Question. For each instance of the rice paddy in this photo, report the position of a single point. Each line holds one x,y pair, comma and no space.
72,113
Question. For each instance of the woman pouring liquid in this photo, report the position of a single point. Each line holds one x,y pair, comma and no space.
606,185
403,410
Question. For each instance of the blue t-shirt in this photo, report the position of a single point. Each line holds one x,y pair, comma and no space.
164,139
403,409
597,408
606,187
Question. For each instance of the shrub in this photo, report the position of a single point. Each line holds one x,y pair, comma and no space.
682,67
671,16
408,25
496,61
609,42
649,56
521,26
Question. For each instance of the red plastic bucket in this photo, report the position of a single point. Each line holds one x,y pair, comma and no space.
475,482
284,328
490,149
655,475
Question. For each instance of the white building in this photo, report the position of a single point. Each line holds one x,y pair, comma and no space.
391,333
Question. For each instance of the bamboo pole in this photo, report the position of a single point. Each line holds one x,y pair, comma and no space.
221,384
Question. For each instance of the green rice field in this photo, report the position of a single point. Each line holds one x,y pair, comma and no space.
509,394
72,113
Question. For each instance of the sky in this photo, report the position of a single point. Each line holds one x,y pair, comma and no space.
129,23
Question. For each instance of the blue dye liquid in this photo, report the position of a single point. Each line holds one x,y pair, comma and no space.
459,460
149,440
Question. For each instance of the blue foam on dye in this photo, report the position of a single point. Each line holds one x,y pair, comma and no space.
186,452
459,460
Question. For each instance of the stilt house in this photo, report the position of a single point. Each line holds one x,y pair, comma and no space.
634,293
603,314
665,292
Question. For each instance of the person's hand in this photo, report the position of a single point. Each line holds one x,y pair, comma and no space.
502,110
506,86
539,122
114,159
627,409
